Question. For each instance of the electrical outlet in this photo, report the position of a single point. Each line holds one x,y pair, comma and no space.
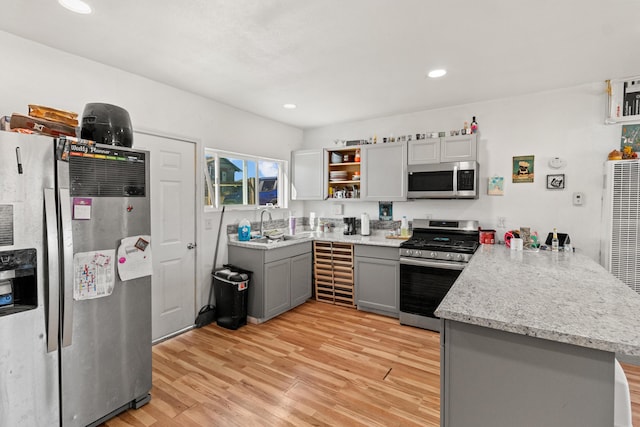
428,216
501,222
578,199
337,209
208,224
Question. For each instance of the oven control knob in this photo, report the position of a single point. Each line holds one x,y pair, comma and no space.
409,252
459,257
433,254
418,253
448,256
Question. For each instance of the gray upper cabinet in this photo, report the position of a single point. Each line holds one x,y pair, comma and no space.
462,148
424,151
384,172
308,178
459,148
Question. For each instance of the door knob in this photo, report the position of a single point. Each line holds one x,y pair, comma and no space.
191,245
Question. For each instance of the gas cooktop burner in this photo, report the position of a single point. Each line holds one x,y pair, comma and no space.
442,240
441,244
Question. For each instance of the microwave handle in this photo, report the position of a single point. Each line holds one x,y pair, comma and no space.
455,179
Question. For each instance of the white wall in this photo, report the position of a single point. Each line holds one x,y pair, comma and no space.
32,73
565,123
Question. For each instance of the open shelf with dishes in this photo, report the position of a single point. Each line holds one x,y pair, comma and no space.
344,173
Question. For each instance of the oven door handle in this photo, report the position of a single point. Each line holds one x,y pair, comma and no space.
433,264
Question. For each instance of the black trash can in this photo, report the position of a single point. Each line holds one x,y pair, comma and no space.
230,287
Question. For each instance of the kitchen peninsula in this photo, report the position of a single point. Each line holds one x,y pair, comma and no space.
529,339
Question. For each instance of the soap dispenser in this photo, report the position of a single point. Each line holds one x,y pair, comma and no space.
244,230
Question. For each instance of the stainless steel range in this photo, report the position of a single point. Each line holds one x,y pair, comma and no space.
430,262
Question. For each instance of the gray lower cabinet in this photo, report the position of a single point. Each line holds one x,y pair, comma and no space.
377,279
496,378
277,284
301,278
281,278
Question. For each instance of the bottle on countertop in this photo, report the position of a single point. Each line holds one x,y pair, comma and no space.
555,243
312,221
404,227
292,224
244,230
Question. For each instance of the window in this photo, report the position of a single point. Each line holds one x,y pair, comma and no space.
233,179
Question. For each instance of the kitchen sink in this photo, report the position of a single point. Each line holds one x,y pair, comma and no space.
260,239
296,236
266,240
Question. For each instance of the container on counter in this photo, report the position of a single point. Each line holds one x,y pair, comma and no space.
404,227
487,237
292,224
365,229
244,230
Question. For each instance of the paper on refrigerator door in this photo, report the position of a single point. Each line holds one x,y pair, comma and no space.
93,274
134,257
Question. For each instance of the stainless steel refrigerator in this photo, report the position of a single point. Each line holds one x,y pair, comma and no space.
75,285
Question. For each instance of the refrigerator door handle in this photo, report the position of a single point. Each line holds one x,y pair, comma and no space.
53,276
67,263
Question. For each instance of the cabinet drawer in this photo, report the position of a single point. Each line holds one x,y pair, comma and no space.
286,252
377,252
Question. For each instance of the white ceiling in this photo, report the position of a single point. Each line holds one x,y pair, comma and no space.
345,60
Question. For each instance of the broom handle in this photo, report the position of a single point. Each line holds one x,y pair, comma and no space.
215,254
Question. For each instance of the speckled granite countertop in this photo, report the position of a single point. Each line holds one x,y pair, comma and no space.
377,238
564,297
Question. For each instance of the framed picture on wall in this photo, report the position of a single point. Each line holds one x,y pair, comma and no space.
555,182
496,186
385,210
523,168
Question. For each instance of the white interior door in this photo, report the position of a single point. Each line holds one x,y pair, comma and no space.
172,233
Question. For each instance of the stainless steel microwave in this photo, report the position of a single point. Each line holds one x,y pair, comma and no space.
454,180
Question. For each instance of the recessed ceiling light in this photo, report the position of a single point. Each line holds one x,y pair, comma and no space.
77,6
437,73
290,106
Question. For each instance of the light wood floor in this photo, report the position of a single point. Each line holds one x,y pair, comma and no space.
316,365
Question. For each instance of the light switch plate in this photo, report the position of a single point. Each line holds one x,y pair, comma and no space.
578,199
337,209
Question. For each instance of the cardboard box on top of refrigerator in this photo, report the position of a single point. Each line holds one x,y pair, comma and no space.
41,126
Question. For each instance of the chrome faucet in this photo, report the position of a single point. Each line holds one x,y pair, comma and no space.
262,221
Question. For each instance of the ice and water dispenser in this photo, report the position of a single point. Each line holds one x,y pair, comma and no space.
18,281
